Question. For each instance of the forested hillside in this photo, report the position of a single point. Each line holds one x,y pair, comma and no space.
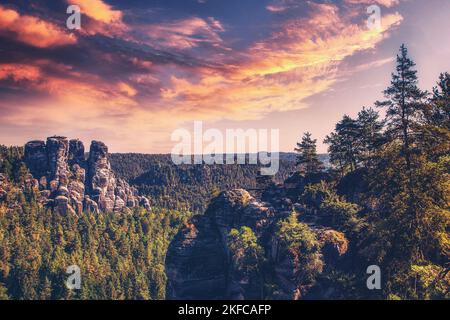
190,186
121,256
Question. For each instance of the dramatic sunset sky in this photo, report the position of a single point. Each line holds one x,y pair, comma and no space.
137,70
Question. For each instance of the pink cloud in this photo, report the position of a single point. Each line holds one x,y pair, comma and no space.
186,33
103,18
282,5
386,3
19,72
33,31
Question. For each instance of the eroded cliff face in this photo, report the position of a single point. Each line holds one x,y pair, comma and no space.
198,262
71,184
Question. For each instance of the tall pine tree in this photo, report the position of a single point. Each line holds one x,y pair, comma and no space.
403,103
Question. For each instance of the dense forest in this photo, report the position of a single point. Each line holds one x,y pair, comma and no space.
190,187
387,191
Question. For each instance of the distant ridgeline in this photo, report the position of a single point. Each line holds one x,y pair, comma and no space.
190,186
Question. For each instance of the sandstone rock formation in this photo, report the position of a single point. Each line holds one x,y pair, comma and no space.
198,264
36,157
71,184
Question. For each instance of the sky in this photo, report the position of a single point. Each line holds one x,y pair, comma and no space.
136,71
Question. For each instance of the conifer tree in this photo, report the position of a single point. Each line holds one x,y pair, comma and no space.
369,134
345,144
440,102
403,103
434,131
307,157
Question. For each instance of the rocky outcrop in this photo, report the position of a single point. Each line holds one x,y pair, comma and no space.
36,157
101,180
72,184
57,155
198,263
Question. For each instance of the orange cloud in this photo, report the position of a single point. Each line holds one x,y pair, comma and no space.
104,19
98,10
126,89
299,60
32,30
19,72
74,88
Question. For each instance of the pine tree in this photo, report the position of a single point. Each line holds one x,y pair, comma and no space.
434,132
336,151
440,102
247,256
307,156
297,239
403,104
409,183
348,129
345,144
369,134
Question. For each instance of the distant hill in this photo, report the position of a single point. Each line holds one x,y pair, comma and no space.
189,186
